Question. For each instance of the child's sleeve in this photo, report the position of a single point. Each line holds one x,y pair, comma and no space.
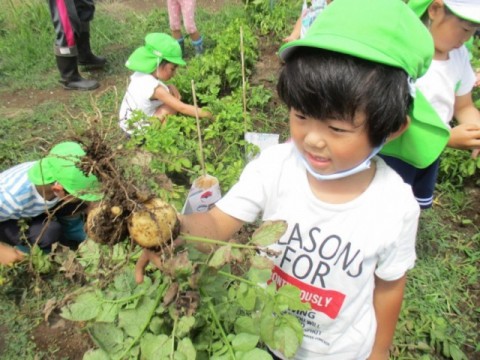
399,255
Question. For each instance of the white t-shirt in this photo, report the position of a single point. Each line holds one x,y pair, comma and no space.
330,251
310,13
138,97
446,79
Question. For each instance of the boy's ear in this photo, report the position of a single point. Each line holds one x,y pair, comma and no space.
57,187
400,131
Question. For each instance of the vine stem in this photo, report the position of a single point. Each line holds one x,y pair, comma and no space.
220,328
144,327
234,277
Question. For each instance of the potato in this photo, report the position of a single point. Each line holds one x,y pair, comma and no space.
154,224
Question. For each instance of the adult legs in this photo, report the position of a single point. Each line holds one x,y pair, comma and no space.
67,19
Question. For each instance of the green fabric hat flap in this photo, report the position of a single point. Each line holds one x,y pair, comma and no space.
465,9
387,32
60,165
158,47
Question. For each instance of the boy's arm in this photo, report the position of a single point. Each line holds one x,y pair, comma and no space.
295,34
176,104
213,224
9,255
387,300
466,135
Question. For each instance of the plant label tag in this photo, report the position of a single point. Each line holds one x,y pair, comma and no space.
203,194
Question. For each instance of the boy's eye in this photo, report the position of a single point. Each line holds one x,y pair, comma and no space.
336,129
300,116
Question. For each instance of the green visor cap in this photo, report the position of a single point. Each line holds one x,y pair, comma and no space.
387,32
465,9
60,165
158,47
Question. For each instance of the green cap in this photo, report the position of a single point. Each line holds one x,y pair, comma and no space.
465,9
389,33
60,165
158,47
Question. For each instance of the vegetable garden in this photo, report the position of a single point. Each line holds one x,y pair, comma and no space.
86,304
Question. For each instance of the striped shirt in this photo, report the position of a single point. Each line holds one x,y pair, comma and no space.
19,198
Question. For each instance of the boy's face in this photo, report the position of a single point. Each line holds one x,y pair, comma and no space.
330,146
448,31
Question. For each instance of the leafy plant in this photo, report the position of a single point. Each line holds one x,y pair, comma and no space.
199,307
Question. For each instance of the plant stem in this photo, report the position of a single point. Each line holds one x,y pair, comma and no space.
159,296
220,328
234,277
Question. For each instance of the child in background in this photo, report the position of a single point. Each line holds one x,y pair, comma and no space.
306,19
35,190
352,221
447,85
186,9
154,64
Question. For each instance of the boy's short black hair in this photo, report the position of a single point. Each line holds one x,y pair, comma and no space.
329,85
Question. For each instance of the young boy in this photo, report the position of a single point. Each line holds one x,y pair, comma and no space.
34,190
447,85
351,219
154,64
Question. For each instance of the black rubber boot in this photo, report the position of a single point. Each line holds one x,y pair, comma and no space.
71,79
85,55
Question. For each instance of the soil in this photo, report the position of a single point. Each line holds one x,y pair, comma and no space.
62,339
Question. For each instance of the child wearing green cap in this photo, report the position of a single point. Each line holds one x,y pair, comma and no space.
447,85
33,191
352,221
154,64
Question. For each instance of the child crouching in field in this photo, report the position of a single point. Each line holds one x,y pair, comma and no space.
352,221
51,196
154,64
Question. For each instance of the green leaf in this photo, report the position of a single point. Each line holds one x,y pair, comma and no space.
289,296
285,341
133,321
108,312
267,327
259,276
220,257
257,354
108,337
153,347
245,342
246,296
86,307
184,326
97,354
185,347
269,233
246,324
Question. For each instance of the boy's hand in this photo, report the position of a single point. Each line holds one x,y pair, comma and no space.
174,91
465,136
9,255
142,262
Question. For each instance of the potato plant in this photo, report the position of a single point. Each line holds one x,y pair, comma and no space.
198,306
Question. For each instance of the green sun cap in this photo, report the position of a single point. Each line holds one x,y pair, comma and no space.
465,9
158,47
387,32
60,165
